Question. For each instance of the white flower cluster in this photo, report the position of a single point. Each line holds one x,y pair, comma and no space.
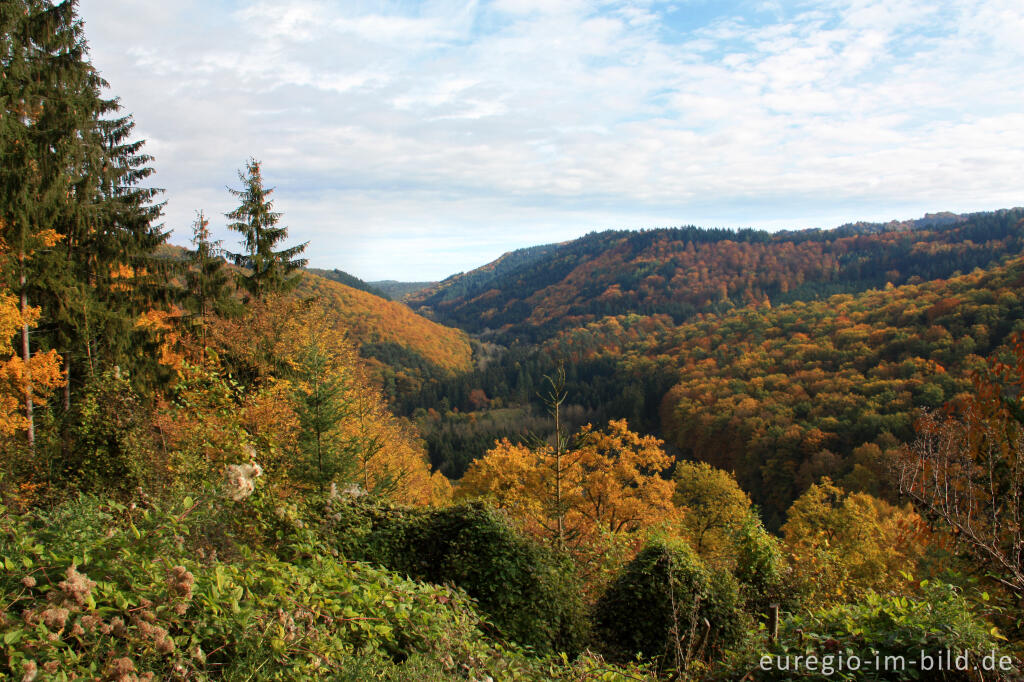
241,479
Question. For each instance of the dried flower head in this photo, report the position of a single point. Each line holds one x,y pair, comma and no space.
241,480
180,582
55,617
29,670
28,581
76,587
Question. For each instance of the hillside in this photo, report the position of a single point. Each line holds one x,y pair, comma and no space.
348,280
784,395
532,293
781,394
400,291
403,348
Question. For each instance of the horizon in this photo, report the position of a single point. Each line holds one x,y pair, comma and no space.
414,140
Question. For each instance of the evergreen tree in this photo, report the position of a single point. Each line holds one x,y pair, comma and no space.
207,279
271,271
71,210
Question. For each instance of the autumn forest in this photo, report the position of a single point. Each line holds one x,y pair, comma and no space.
665,454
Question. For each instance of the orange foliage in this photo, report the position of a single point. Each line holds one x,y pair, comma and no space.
39,377
610,483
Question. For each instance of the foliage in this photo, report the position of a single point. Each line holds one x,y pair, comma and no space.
270,271
712,503
966,470
843,544
114,451
760,567
94,589
888,638
668,606
39,377
404,349
529,592
610,482
532,293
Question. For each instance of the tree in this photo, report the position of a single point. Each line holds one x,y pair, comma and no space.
965,470
270,271
714,506
844,544
607,482
207,280
322,380
71,208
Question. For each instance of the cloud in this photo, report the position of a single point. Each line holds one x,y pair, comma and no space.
495,122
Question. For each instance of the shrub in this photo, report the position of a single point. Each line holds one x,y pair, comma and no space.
529,592
887,637
657,606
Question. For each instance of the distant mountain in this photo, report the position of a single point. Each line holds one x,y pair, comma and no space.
532,293
399,291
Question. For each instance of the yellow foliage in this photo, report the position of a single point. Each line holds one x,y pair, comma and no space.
165,325
18,379
844,544
713,506
274,339
609,483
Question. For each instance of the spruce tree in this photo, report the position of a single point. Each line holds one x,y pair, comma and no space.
71,208
207,280
270,271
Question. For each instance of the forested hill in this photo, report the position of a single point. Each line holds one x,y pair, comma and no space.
532,293
402,347
348,280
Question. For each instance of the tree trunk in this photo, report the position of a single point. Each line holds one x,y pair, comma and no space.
26,355
67,381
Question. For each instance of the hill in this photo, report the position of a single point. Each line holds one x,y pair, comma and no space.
400,291
348,280
402,347
530,294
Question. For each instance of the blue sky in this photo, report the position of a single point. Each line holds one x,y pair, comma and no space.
412,140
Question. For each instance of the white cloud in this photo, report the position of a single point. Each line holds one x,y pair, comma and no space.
523,119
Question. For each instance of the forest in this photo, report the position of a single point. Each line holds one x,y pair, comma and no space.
662,455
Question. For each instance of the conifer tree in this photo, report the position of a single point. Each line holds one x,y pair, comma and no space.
78,225
270,271
207,279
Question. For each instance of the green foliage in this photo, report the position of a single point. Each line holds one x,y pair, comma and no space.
113,449
760,566
530,593
270,271
95,589
892,637
658,605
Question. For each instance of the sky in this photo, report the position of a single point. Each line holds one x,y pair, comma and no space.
413,140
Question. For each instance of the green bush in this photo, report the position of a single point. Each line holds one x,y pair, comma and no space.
97,590
657,606
528,592
759,567
883,637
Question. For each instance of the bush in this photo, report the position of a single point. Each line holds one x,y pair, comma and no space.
887,637
657,606
529,593
759,566
98,590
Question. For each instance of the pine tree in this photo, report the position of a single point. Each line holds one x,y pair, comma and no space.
40,51
71,209
270,271
207,279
